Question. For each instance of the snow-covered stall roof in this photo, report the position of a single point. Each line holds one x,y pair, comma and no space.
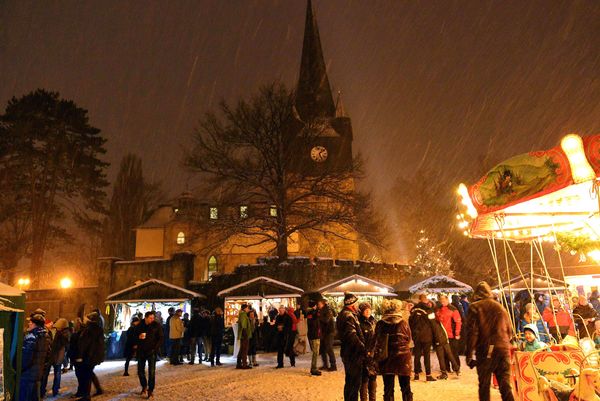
540,283
433,284
10,291
358,285
262,287
152,290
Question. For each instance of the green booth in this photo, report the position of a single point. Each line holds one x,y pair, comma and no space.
12,306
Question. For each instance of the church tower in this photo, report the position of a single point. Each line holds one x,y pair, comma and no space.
331,146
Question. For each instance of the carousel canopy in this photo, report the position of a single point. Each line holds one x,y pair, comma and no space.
435,284
262,287
537,195
153,290
358,285
540,283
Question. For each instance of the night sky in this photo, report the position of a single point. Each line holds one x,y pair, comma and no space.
441,82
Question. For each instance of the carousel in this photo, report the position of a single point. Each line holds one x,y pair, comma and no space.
546,200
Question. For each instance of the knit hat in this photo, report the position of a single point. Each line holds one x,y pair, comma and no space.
364,306
38,311
135,319
349,299
482,291
61,324
311,304
392,307
94,317
38,319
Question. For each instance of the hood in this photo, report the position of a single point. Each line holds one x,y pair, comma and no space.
392,318
532,327
482,291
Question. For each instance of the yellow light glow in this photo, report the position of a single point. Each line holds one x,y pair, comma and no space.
23,282
66,282
595,254
581,170
466,201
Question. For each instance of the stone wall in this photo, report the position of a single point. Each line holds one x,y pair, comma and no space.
64,302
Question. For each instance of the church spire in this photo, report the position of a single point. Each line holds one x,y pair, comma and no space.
340,110
313,95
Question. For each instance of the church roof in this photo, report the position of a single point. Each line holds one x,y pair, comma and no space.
313,95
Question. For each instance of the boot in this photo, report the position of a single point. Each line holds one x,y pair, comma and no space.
315,373
254,363
443,376
416,378
430,378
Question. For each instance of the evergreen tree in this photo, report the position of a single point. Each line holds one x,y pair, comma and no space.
50,168
430,260
131,201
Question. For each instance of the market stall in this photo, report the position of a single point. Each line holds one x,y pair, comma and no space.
263,293
12,306
153,294
366,289
432,285
532,282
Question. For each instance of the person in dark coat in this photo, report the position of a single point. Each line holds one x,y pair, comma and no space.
464,301
252,345
35,357
584,316
327,325
422,333
130,342
352,349
368,387
149,338
283,327
488,335
217,329
57,353
90,352
185,342
314,335
195,336
594,301
205,335
393,329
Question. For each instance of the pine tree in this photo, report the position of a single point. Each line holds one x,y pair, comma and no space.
430,260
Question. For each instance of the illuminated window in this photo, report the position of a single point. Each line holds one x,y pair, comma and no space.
180,238
213,266
214,213
273,211
243,212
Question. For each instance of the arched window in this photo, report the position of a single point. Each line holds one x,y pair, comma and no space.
180,238
213,266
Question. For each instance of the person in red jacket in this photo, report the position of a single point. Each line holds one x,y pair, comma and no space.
560,323
450,318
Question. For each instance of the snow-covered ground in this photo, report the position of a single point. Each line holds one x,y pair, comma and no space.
225,383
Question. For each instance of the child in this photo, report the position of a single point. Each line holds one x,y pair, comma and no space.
532,342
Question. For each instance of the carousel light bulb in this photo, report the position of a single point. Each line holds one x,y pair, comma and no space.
581,170
466,200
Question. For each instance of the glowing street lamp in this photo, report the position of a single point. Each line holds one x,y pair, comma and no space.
66,282
23,282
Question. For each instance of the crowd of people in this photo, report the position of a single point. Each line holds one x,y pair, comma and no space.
399,344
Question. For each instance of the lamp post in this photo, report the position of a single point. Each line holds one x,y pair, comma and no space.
65,284
23,282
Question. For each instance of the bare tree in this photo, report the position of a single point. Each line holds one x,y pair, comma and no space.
249,155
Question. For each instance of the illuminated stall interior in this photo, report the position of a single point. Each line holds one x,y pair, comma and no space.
366,289
262,293
156,295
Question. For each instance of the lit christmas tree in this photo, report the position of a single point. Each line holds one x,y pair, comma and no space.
430,260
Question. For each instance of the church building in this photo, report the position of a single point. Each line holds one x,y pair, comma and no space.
171,230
